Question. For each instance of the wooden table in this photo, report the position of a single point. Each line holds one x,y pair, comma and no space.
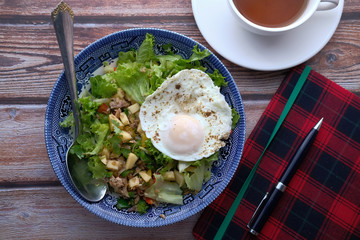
33,204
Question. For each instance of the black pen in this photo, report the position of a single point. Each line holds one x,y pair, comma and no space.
271,198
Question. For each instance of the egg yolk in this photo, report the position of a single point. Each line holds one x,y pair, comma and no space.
185,135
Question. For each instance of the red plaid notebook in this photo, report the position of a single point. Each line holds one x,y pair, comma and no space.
322,200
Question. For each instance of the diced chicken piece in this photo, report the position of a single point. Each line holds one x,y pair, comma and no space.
134,123
118,103
113,155
121,159
117,113
119,185
140,191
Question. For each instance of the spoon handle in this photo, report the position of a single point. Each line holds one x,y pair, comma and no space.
62,17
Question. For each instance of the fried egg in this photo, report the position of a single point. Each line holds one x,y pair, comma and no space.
187,118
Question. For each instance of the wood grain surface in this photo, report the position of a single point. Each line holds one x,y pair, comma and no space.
33,204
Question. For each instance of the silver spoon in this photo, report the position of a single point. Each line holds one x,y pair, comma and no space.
91,189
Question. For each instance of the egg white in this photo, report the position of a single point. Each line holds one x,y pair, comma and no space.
192,93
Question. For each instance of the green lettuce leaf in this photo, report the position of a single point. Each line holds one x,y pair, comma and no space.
161,159
235,117
146,53
97,168
88,112
77,149
194,180
68,121
122,203
102,87
100,131
126,57
131,78
198,54
171,58
142,206
164,191
85,142
217,78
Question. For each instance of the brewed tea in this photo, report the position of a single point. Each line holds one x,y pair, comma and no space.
271,13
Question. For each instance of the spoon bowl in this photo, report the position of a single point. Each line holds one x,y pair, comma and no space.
91,189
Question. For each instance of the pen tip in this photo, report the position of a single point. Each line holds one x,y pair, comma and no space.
318,125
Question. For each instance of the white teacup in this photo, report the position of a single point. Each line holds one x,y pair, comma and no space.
311,7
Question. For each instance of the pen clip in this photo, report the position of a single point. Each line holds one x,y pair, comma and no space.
261,204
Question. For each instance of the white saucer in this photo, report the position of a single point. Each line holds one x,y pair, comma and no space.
222,31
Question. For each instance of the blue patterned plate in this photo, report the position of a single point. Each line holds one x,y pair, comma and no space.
58,140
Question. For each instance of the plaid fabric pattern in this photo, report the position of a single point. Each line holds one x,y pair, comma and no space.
322,200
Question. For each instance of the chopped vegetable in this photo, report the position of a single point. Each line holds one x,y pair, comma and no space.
164,191
134,82
194,180
218,79
96,167
131,160
126,173
122,203
104,109
160,158
149,200
68,122
102,87
142,206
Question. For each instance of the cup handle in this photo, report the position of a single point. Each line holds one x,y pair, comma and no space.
327,5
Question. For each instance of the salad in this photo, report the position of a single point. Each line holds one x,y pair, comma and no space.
112,141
